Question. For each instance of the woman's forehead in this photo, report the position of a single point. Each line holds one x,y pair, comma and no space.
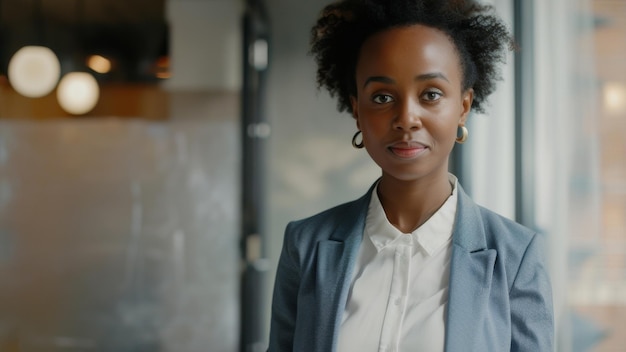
413,50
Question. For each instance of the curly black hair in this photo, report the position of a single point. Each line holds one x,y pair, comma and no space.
481,39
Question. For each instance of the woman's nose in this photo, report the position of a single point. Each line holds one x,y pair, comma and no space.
408,117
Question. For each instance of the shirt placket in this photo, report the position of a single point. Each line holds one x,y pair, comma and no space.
398,294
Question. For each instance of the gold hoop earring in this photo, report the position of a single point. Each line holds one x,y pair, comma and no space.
354,143
464,135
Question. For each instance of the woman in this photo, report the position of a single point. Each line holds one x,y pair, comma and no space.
413,265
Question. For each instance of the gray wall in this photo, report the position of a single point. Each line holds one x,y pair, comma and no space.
119,235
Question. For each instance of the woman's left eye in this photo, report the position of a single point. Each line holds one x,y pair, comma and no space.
432,95
382,99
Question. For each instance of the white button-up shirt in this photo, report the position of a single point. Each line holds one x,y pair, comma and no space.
399,292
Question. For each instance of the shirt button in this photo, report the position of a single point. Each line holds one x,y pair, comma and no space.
407,239
398,301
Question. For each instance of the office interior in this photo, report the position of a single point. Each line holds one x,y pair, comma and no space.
148,214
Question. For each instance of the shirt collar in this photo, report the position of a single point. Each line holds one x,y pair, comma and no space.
431,235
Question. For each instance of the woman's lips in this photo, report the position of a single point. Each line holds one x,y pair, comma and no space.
407,151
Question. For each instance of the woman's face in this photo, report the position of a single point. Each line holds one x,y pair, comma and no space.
410,101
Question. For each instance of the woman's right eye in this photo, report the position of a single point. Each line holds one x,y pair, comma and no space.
382,99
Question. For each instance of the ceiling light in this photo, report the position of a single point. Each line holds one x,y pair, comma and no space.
99,64
34,71
78,93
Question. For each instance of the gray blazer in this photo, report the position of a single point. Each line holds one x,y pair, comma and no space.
499,296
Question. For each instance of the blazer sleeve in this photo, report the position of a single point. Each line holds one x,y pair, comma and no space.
284,300
531,303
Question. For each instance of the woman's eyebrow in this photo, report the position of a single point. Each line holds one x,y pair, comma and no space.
381,79
422,77
429,76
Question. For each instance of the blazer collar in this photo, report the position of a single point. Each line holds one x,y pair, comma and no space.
335,262
471,273
352,221
469,232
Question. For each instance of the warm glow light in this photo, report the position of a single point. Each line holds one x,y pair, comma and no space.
78,93
99,64
162,68
34,71
615,98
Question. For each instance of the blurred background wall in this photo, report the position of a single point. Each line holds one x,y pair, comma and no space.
121,227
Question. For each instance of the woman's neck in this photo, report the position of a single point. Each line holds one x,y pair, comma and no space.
409,204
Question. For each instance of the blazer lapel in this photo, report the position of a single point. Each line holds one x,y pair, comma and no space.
334,272
471,272
335,261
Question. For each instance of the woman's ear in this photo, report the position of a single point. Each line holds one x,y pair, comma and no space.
468,99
